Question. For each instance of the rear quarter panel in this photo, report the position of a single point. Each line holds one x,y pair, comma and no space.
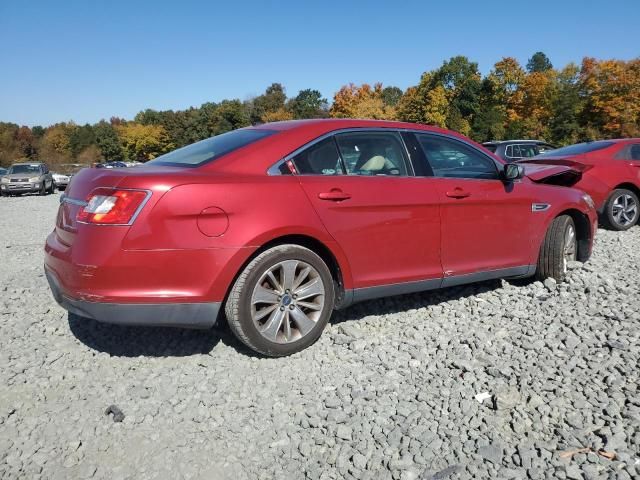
258,209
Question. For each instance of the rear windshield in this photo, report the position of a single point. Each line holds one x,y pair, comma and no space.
211,148
24,169
576,149
491,147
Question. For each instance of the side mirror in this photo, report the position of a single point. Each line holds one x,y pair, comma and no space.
513,171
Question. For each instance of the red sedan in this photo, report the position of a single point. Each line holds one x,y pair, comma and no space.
611,175
279,224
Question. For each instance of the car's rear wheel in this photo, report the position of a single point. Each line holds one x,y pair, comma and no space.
622,210
281,301
560,246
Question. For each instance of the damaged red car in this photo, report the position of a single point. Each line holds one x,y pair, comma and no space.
275,226
610,174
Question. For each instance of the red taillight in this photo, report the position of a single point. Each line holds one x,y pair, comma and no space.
110,206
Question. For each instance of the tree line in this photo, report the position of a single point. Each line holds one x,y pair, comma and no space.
596,99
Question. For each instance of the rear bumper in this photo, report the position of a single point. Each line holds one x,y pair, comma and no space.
184,315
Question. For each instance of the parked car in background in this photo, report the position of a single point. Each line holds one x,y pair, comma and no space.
611,175
27,178
61,181
513,150
112,165
279,224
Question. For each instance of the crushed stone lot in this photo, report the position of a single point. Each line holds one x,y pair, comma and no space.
388,392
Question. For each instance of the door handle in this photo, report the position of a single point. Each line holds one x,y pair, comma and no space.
458,193
334,195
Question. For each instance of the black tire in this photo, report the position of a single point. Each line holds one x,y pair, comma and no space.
552,259
52,188
239,309
43,190
612,217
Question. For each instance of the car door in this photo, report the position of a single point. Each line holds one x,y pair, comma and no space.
484,221
361,185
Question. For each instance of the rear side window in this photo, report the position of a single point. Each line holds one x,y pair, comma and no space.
630,152
451,158
321,158
577,149
212,148
372,153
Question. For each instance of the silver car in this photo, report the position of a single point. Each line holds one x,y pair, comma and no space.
27,178
61,181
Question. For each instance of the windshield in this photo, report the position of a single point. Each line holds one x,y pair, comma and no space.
211,148
576,149
491,147
24,169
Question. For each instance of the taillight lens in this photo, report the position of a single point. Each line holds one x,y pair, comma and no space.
111,206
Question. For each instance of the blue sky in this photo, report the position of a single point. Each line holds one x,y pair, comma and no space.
87,60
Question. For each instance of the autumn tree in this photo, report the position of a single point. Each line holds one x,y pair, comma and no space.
54,146
612,92
143,142
363,101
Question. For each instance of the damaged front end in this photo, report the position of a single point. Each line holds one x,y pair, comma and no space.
564,173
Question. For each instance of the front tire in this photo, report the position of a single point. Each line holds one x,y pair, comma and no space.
622,210
282,300
560,246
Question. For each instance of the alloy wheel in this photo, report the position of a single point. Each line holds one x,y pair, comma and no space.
625,210
287,301
570,247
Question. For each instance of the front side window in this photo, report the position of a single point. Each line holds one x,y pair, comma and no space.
372,153
451,158
321,158
212,148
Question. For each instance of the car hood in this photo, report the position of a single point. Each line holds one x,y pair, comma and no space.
555,174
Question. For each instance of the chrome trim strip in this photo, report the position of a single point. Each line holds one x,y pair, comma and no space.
73,201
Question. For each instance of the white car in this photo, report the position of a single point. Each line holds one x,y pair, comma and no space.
61,181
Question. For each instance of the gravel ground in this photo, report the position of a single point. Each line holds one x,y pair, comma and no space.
388,391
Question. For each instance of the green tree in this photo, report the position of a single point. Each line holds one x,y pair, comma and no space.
391,96
308,104
272,100
567,106
108,142
81,137
539,62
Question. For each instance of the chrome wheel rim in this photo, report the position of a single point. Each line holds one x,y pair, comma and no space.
625,210
570,247
287,301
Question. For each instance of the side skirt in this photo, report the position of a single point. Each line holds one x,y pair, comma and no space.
361,294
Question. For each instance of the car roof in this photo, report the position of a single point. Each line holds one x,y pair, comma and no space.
338,123
27,163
